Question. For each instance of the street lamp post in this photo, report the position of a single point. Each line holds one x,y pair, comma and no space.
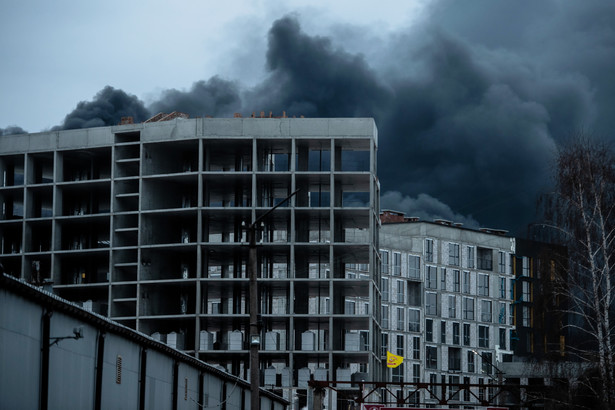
255,340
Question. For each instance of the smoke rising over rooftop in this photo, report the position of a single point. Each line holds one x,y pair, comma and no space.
470,104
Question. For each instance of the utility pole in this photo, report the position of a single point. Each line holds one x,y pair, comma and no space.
255,339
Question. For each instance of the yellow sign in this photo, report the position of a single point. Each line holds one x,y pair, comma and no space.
394,360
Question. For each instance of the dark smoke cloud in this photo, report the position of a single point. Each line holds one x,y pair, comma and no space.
107,108
12,130
470,104
216,97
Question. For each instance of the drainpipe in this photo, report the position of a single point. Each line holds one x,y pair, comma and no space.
45,341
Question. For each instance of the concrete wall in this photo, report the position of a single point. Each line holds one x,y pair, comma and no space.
73,377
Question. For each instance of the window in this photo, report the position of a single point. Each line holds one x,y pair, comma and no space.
511,287
456,281
385,317
398,373
396,264
468,308
431,277
466,281
526,266
401,287
429,250
416,348
350,307
486,362
443,278
414,267
502,339
428,330
511,314
435,390
471,355
384,257
400,345
456,334
414,320
483,336
416,373
431,303
483,284
452,306
385,344
527,316
466,392
502,288
384,288
501,262
400,318
443,332
485,259
454,358
431,357
470,257
466,334
453,254
485,311
502,313
526,295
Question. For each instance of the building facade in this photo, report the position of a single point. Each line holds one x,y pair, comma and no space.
144,224
447,307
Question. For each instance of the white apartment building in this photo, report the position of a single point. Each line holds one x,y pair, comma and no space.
446,306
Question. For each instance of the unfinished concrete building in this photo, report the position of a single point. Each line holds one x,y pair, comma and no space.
144,224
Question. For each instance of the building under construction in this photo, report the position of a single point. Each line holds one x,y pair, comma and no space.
145,224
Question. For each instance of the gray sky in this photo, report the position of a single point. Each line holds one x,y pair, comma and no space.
471,98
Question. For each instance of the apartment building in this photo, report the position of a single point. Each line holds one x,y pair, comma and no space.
447,306
145,224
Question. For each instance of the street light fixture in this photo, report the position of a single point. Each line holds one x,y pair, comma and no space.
255,341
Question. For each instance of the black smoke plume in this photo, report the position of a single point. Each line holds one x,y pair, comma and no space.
12,130
470,104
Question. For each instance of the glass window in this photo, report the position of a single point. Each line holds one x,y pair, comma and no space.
431,303
453,254
384,288
456,333
454,359
431,357
414,320
396,264
443,332
466,281
416,348
398,373
501,262
470,257
466,334
385,344
483,336
486,362
456,281
471,355
526,266
526,288
400,345
414,267
483,284
485,311
384,258
452,306
485,259
468,308
511,289
527,316
502,288
429,250
443,278
416,373
502,313
431,277
385,317
400,318
502,339
401,287
429,330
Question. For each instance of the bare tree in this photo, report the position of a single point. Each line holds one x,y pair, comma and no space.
582,209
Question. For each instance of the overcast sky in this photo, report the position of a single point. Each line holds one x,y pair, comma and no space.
471,98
